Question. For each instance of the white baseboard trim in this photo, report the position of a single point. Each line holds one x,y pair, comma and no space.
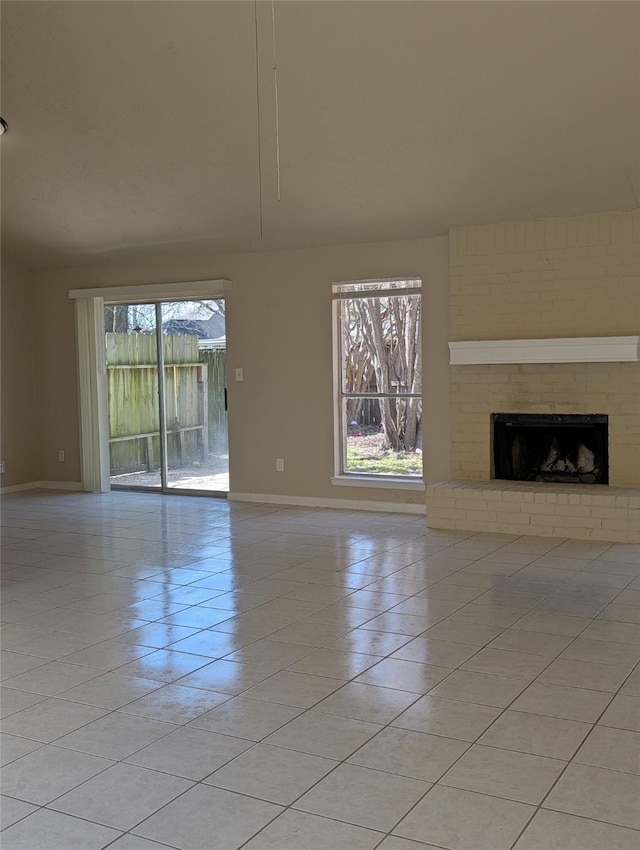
60,485
17,488
381,483
260,498
320,502
42,485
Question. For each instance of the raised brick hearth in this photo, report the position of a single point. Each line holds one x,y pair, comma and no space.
585,512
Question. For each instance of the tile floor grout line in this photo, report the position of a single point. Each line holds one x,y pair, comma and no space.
504,710
540,806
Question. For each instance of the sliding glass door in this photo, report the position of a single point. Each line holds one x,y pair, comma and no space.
166,391
194,348
135,450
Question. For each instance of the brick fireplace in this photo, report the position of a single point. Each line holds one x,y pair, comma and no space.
544,322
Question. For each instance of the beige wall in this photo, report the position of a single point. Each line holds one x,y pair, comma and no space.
279,332
19,427
557,277
56,367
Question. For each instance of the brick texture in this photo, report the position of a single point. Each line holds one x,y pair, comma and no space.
543,510
554,277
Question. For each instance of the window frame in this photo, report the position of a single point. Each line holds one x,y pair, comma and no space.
343,477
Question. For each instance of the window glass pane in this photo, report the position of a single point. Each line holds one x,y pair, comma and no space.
132,395
380,341
383,436
380,353
368,285
194,339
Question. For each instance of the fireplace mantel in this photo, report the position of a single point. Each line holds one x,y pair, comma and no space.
593,349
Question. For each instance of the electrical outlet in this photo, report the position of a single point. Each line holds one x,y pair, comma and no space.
279,464
1,467
61,455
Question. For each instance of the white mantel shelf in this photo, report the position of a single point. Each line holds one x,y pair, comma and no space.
589,349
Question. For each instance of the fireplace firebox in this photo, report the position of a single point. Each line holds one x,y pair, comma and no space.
565,448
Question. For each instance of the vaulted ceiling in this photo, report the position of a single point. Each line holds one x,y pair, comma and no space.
134,127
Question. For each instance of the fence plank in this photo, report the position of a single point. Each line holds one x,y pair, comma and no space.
215,361
195,402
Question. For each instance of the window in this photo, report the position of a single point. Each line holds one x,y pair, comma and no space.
378,378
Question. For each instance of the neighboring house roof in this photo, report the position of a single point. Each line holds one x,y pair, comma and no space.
203,328
220,343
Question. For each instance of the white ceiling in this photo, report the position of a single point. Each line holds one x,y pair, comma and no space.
134,128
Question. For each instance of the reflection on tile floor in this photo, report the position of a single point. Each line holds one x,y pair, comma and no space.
202,675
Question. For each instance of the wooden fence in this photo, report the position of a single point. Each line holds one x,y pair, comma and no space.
194,401
215,361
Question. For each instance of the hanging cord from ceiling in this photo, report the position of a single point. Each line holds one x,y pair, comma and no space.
277,108
255,12
275,89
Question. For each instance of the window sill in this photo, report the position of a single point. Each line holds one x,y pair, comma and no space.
377,481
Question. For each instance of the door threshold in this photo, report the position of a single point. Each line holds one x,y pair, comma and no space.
170,491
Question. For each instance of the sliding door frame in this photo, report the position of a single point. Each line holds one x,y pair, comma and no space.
162,410
91,361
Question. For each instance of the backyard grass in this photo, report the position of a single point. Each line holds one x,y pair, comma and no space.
383,463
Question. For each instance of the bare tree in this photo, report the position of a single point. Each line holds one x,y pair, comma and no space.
116,319
382,354
141,318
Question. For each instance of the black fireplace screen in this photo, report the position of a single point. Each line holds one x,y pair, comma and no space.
563,447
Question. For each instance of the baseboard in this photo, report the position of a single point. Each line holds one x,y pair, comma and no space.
319,502
260,498
60,485
17,488
42,485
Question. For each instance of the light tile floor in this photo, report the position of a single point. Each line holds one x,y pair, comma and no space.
195,674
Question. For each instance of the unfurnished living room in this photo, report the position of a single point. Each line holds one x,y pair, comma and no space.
320,408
